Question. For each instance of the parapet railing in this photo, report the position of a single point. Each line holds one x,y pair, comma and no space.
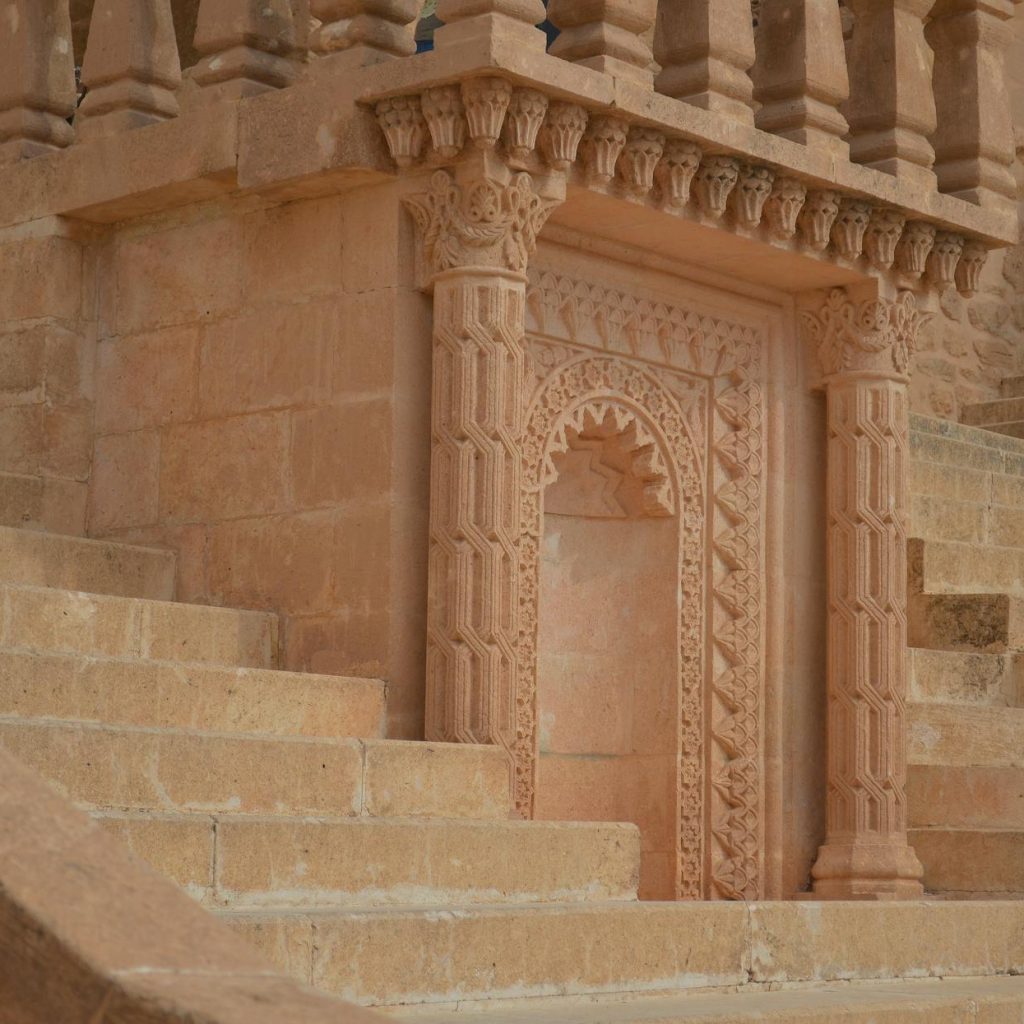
880,132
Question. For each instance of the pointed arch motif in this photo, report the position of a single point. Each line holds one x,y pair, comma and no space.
598,348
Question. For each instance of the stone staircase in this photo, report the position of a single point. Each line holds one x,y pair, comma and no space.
966,740
389,873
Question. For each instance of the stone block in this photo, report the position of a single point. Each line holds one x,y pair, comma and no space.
43,503
965,796
963,677
172,695
955,734
72,563
125,484
167,771
40,277
446,780
951,483
989,861
277,358
966,622
373,861
146,380
342,453
224,469
936,518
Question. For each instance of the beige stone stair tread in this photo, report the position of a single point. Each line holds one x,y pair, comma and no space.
924,427
181,695
979,859
280,862
940,518
48,619
912,1002
972,448
965,735
966,677
999,410
135,768
448,955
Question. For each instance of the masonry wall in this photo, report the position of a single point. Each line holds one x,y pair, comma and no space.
262,380
973,343
47,333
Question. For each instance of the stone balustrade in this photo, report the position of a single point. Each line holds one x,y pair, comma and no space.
804,140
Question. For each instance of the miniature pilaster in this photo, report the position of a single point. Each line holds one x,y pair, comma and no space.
37,79
865,344
479,227
131,70
891,109
354,33
800,77
706,50
246,48
511,22
974,142
608,36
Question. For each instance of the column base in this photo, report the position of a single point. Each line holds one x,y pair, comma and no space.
866,871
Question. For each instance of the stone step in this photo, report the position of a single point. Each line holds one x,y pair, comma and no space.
300,862
991,623
962,677
1012,387
931,1001
965,796
971,860
924,429
42,503
101,767
72,622
456,955
950,483
1001,410
964,736
179,695
38,559
1015,428
946,567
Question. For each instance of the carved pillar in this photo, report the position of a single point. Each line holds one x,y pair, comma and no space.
974,141
478,229
37,79
706,50
360,32
513,22
891,110
246,48
800,77
131,70
865,348
608,36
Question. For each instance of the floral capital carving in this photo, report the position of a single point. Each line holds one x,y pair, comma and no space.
483,224
875,337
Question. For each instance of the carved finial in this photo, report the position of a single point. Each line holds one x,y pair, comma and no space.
783,206
485,101
849,227
446,118
364,31
817,217
715,180
675,172
914,247
875,337
944,257
404,127
639,160
561,134
604,141
753,187
885,228
526,111
968,270
484,224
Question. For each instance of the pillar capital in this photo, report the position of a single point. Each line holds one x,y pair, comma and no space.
481,216
865,336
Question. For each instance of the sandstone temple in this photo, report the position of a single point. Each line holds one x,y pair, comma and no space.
511,512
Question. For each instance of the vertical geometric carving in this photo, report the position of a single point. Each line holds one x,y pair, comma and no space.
865,350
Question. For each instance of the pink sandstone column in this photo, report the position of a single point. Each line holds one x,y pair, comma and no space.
865,347
478,232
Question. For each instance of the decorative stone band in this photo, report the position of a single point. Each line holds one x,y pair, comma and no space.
608,153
